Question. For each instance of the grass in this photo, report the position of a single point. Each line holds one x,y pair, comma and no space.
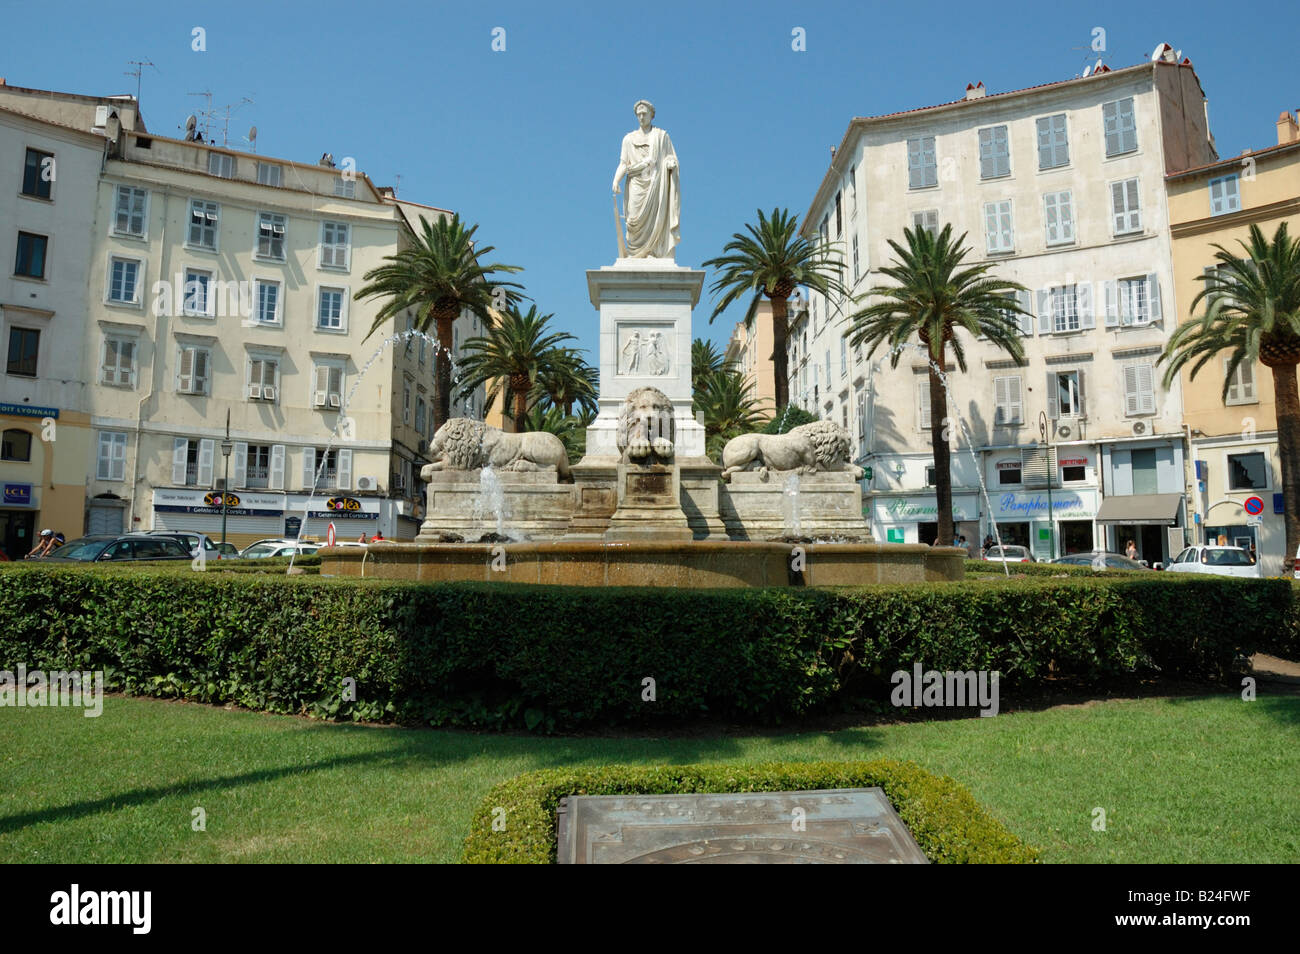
1187,779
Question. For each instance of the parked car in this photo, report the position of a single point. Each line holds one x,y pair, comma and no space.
1219,561
1101,559
1008,554
191,540
278,548
227,551
108,547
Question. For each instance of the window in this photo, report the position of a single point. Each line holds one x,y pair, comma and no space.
1133,302
999,236
267,301
855,258
16,444
118,369
861,409
923,405
263,378
270,236
124,281
329,309
1125,210
268,173
257,471
327,391
30,260
930,475
1142,465
345,187
192,370
825,229
1009,472
1139,390
1061,309
419,415
24,344
406,404
111,457
1064,394
995,153
38,174
198,293
334,246
221,164
839,214
922,169
1023,320
1120,126
1225,195
844,357
1007,400
1241,384
1073,470
1247,472
327,466
928,220
129,207
1053,145
1058,217
192,462
853,188
204,219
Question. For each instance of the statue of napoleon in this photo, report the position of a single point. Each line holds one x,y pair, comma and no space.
653,207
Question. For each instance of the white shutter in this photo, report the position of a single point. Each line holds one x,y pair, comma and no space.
308,467
241,464
1026,317
277,467
1065,208
1146,389
1052,218
1000,400
1131,399
321,391
1081,398
345,470
923,404
180,452
1015,404
1153,297
185,376
1216,196
207,449
1044,311
1111,291
200,371
1053,404
1134,209
1083,299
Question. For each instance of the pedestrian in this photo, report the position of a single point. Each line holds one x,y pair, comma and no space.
1131,551
44,543
362,538
378,537
1253,558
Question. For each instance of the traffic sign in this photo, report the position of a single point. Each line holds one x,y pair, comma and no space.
329,535
1254,506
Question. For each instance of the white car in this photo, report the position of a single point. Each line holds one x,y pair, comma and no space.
1008,554
1218,561
277,548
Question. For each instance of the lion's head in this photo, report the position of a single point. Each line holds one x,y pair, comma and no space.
829,441
460,443
646,424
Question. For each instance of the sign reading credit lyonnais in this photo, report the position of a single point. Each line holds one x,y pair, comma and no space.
28,410
209,501
1032,505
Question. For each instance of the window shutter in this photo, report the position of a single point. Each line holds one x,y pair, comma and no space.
336,386
1110,123
1053,217
345,470
1146,389
1044,311
180,451
185,379
1015,403
1053,404
1134,222
241,464
1131,403
1000,400
207,449
1025,318
923,404
1246,373
308,467
1065,207
1083,297
201,371
1082,410
322,386
1153,297
1044,144
1111,291
277,467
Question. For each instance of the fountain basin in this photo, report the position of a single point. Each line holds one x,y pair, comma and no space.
695,564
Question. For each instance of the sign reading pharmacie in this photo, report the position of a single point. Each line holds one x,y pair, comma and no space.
923,509
209,501
1033,505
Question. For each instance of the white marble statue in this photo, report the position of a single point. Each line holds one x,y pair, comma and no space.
632,353
807,449
658,359
653,206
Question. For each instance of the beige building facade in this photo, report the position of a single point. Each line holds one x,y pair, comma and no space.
749,351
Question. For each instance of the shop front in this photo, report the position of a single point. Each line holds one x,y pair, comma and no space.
248,516
915,519
352,516
1049,524
18,520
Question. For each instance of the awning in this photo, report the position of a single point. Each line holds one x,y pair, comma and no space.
1159,510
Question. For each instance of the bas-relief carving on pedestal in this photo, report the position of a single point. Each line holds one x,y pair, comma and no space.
644,352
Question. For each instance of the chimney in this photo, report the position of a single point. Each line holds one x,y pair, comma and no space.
1287,128
388,192
975,91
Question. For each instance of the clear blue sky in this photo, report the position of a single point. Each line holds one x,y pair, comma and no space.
525,141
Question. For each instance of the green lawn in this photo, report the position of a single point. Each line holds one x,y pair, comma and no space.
1205,779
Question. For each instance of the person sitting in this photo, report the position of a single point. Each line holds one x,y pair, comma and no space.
44,544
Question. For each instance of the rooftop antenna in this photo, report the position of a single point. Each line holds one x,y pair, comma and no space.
398,184
138,72
212,115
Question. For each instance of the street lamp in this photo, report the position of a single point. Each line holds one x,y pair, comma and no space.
226,447
1043,432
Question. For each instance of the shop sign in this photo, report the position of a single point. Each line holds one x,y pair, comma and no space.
27,410
1065,505
923,509
18,495
209,502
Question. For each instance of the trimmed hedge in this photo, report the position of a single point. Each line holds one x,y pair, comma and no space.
1045,569
501,655
948,824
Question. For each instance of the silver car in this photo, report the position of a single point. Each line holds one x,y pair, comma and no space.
1008,554
1217,561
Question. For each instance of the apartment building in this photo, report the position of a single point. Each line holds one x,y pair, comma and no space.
1233,438
48,172
1061,187
749,351
225,347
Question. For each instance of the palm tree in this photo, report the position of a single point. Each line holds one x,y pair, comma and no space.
1253,314
773,260
439,272
705,360
516,351
567,380
571,429
727,407
936,295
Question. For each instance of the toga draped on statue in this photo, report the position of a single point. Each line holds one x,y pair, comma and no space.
653,209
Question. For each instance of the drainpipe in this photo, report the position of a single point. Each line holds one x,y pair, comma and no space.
153,366
1190,505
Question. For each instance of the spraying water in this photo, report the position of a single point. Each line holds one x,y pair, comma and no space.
793,521
490,502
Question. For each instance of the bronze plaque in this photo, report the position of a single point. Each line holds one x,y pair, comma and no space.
649,485
846,826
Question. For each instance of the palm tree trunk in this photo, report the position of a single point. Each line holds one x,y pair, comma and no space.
779,347
519,394
443,403
1288,451
942,458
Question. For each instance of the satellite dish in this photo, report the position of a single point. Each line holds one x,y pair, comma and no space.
1087,71
1159,51
252,134
191,123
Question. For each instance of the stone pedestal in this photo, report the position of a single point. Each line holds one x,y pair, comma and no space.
649,505
537,505
829,503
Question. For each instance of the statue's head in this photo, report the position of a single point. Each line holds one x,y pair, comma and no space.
644,106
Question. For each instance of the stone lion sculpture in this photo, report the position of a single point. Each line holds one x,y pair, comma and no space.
821,445
646,426
464,444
